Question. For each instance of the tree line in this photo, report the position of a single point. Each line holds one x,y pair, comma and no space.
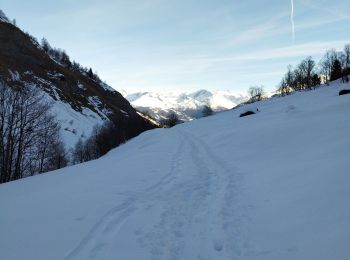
104,138
61,57
30,142
172,119
57,54
307,75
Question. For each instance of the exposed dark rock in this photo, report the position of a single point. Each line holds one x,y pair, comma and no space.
344,92
247,113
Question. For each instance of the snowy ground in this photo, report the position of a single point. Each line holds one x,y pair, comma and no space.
275,185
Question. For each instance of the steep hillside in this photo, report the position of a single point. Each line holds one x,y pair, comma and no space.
79,101
274,185
187,105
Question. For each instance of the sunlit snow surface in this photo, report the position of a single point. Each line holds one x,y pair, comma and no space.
274,185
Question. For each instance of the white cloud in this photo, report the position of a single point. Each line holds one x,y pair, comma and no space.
294,51
260,30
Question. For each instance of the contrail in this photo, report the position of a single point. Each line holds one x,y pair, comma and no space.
292,19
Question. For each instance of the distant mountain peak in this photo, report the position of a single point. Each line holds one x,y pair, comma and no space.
201,92
186,105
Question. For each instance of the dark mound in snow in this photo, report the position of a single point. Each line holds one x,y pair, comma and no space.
344,92
248,113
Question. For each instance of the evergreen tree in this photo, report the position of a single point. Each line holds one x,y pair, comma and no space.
315,80
90,74
207,111
65,59
45,45
336,72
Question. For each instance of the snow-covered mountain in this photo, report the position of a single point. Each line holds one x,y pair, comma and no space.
79,100
186,105
274,185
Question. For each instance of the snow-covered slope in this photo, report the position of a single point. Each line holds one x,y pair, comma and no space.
274,185
75,125
79,101
186,105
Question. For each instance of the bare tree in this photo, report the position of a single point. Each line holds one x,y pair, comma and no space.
287,83
309,76
284,88
289,77
346,67
58,157
333,65
78,153
256,93
27,132
347,55
49,133
326,63
310,71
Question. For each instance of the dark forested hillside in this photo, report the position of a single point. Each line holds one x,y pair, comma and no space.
75,96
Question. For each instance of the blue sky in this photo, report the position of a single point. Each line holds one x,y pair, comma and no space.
185,45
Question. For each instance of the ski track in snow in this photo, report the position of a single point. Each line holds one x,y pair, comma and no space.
97,241
210,188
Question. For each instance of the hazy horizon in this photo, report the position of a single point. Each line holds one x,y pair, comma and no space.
183,46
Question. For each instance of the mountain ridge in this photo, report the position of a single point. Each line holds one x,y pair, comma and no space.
187,105
80,102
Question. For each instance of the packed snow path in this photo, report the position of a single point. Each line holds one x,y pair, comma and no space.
193,201
274,185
